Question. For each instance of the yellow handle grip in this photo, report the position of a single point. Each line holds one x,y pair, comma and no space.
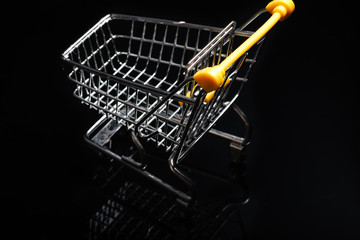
210,95
211,78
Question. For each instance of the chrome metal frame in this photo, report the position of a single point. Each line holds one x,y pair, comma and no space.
119,85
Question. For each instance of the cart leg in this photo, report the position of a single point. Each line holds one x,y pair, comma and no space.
180,174
247,136
237,145
239,142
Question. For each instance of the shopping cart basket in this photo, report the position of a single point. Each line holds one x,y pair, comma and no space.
164,83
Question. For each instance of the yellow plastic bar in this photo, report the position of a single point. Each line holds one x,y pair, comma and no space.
252,40
211,78
210,95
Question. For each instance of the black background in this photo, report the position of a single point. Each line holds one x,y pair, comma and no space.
302,100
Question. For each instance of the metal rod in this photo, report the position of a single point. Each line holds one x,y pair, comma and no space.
142,171
226,135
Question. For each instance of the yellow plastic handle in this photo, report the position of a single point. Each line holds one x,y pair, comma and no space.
210,95
211,78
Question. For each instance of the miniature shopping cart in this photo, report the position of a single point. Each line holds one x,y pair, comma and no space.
161,85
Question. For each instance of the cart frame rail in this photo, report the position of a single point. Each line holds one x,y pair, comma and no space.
142,75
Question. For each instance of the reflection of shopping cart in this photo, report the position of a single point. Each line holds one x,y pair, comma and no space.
163,84
134,211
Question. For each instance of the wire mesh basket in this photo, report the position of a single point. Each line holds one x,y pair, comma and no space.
142,75
136,71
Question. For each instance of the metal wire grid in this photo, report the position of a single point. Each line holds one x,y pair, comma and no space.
138,212
126,75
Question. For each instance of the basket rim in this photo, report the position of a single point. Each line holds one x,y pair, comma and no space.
118,16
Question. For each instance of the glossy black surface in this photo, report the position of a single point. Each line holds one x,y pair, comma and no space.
302,100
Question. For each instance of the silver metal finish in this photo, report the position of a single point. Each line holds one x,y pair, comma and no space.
137,73
227,136
104,135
